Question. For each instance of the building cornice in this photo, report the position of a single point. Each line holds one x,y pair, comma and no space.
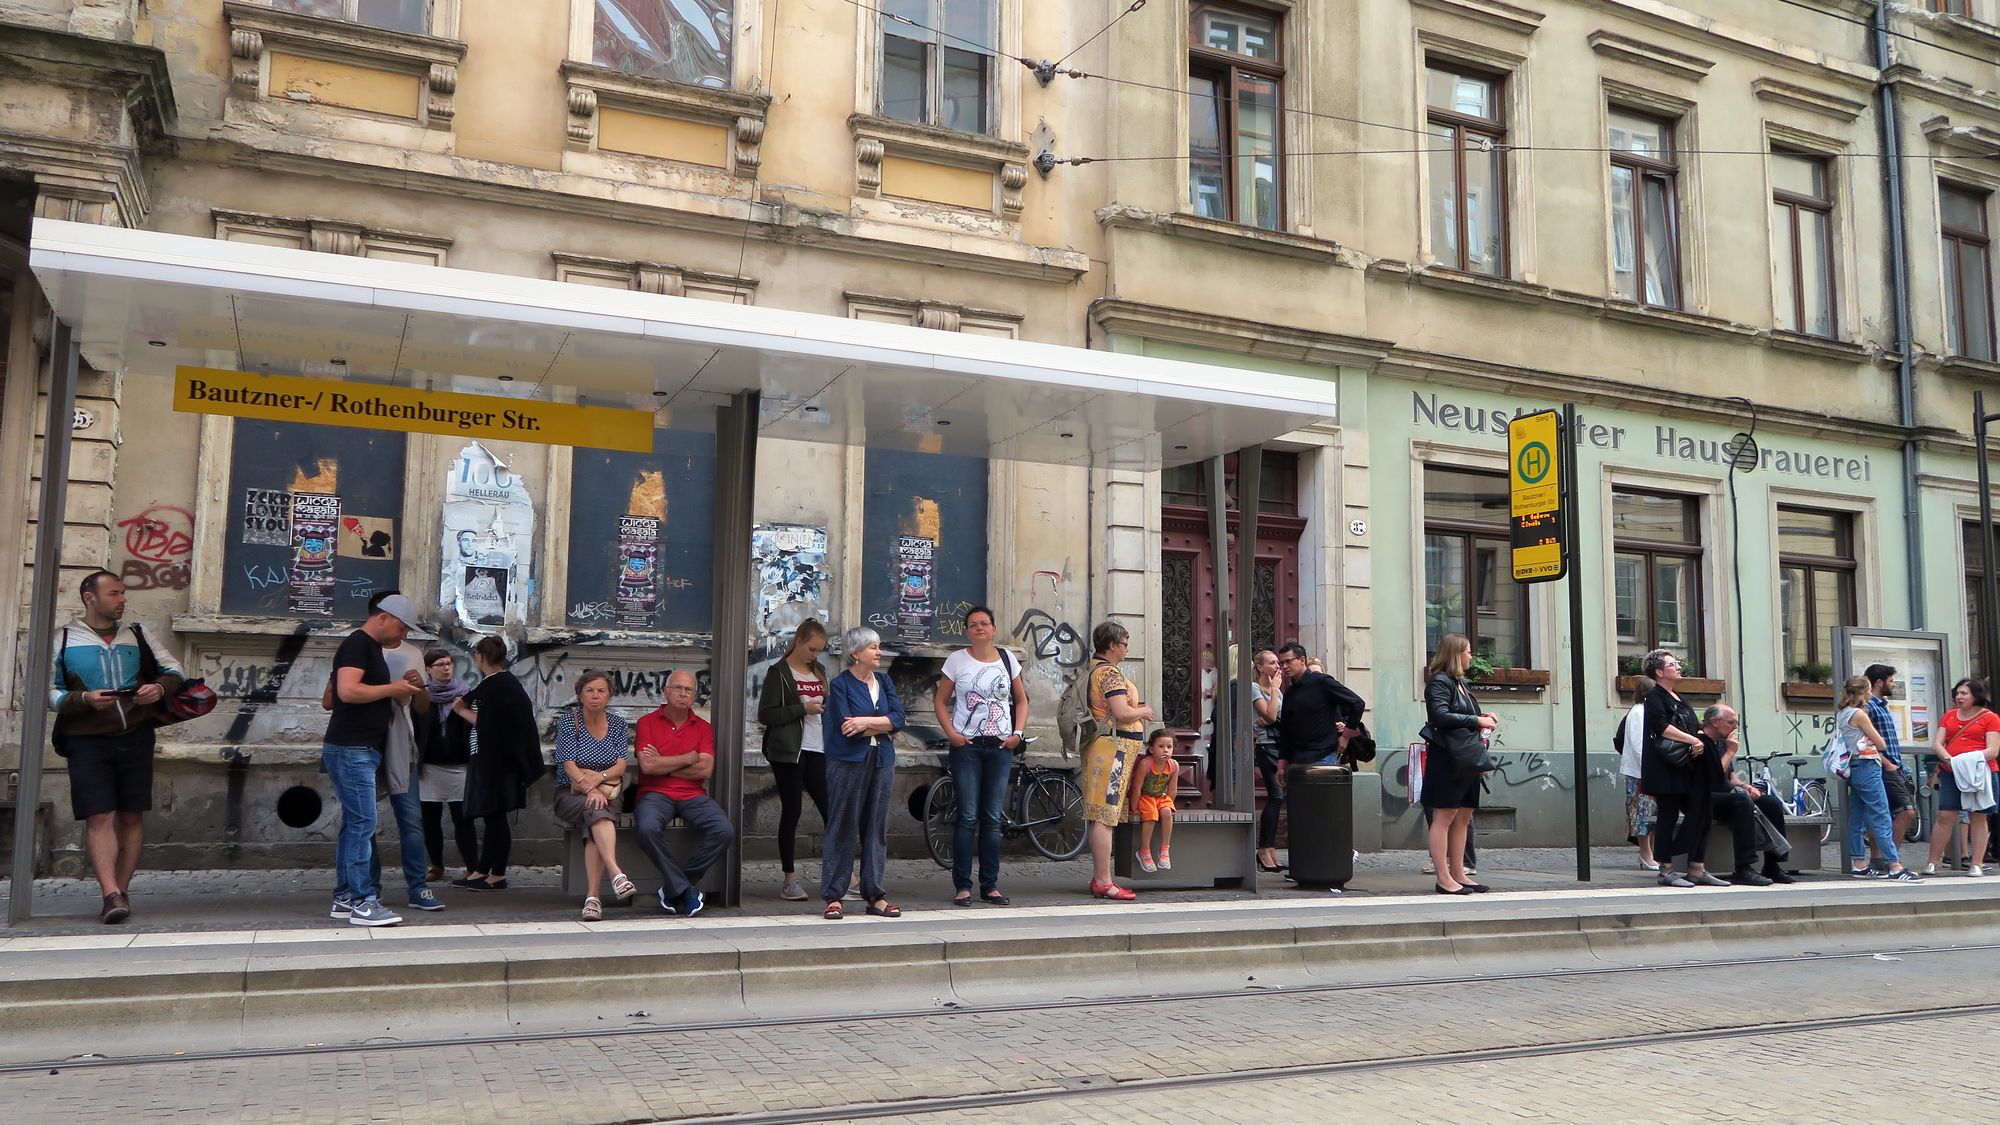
1742,41
1493,13
1236,335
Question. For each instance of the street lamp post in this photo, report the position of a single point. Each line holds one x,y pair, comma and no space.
1989,588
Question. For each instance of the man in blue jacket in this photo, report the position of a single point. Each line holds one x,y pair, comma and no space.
108,678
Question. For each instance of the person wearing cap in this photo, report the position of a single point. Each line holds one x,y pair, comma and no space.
364,701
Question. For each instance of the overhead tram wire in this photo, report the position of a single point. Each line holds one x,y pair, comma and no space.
1045,70
1071,53
1989,60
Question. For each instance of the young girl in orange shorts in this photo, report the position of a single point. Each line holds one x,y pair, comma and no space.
1153,800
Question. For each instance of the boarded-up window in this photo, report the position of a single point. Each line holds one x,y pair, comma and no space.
625,572
924,545
274,566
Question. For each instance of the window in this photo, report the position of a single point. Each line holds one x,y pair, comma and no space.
1968,272
1645,225
1656,577
1468,185
1815,588
679,40
1234,104
1277,484
1469,585
1975,642
396,15
943,76
1951,7
1802,240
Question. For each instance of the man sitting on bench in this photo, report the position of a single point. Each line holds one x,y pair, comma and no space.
676,757
1736,802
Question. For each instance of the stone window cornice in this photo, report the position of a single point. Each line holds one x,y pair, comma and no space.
876,138
592,87
255,30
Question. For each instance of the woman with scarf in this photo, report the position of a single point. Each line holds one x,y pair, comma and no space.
506,758
443,746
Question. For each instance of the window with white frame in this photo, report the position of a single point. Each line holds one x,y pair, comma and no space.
1802,243
1645,210
1468,176
396,15
685,41
937,62
1236,78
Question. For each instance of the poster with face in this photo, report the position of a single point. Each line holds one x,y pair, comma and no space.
914,608
488,542
315,522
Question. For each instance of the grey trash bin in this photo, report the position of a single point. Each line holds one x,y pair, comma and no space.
1319,799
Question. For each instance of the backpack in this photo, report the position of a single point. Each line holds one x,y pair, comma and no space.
1078,727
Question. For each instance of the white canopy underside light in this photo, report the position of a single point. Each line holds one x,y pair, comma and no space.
145,302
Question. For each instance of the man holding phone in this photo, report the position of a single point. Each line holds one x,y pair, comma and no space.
108,677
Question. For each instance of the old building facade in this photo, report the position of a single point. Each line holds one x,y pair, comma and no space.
1679,216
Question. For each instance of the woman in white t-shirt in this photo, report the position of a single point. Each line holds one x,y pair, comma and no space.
1630,740
983,708
789,706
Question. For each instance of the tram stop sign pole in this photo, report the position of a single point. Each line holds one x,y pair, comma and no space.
1541,470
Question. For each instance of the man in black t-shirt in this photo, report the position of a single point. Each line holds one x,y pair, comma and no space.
364,704
1318,710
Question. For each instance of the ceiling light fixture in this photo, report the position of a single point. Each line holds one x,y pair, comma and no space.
1066,434
944,422
506,378
337,361
156,343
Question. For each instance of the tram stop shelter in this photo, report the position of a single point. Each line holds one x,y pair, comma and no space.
146,303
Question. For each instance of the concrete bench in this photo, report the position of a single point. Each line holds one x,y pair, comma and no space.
1212,848
1802,832
680,841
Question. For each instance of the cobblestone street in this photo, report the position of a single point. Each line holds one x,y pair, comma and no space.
1064,1052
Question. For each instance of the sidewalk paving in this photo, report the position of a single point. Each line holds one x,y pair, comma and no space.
194,901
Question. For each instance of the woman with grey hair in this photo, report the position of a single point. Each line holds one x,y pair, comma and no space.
1680,788
862,715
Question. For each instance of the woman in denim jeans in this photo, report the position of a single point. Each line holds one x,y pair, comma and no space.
982,706
859,725
1870,800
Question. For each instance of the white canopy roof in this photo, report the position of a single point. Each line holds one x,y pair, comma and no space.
146,302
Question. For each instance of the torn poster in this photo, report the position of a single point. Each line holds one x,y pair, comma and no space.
489,543
315,520
789,564
637,600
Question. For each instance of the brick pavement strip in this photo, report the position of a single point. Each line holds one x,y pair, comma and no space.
676,1074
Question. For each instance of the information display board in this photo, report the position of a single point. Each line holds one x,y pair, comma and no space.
1924,677
1535,473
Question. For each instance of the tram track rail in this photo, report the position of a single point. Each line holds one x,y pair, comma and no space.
958,1011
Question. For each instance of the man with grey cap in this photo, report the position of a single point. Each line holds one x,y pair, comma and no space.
365,701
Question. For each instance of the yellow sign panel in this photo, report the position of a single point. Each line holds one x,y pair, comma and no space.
324,402
1534,469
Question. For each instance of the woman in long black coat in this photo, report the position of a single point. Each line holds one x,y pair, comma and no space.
506,758
1682,792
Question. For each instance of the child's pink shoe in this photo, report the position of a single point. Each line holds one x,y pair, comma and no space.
1166,859
1146,862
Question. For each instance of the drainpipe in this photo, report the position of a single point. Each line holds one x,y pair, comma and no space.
1889,121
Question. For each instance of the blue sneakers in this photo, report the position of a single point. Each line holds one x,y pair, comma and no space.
425,900
691,903
664,904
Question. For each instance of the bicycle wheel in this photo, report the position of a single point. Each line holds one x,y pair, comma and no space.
1813,797
1052,812
941,820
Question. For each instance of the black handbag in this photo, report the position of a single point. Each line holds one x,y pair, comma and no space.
1678,754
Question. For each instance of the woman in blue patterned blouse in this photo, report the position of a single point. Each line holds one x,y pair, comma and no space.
593,753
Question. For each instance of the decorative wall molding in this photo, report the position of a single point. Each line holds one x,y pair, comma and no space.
329,236
654,277
593,87
255,31
1812,101
940,316
1652,56
1493,13
877,138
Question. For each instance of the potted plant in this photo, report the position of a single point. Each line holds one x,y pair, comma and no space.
1809,681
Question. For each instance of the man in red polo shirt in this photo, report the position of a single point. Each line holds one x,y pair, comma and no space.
676,757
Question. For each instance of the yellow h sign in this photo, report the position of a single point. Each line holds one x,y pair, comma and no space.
1534,468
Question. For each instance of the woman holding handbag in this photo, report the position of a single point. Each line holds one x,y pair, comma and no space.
593,754
1455,732
1670,773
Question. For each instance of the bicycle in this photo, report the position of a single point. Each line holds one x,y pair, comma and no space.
1810,797
1042,803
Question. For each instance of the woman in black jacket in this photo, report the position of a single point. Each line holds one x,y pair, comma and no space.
1451,773
1681,791
506,759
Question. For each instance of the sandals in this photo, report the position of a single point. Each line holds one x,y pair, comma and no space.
622,890
1112,891
994,898
886,910
963,900
833,911
593,909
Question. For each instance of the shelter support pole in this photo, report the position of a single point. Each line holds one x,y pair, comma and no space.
1989,587
41,618
1220,760
729,631
1249,471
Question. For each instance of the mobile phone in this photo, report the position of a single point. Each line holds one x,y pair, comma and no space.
126,693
